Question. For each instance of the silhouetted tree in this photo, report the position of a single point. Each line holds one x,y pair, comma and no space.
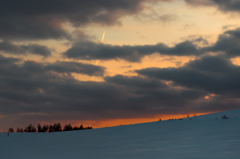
57,127
19,129
34,129
11,130
51,129
45,128
81,127
26,129
76,128
67,127
30,128
39,127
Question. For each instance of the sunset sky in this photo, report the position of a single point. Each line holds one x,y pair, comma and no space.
159,59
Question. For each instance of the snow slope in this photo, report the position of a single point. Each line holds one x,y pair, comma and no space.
201,138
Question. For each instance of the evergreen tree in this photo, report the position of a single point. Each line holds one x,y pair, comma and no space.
39,128
30,128
81,127
45,128
67,127
57,127
51,128
11,130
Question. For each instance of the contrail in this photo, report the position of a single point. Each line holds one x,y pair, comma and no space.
103,36
98,60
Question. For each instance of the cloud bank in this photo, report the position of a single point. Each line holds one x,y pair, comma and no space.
223,5
45,19
227,43
11,48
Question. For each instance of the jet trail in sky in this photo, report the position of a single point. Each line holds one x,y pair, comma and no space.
98,60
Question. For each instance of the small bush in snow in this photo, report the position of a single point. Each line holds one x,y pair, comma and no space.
225,117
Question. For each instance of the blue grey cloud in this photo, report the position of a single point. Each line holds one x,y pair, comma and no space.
89,50
43,19
11,48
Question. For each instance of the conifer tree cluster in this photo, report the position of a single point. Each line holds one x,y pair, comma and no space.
49,128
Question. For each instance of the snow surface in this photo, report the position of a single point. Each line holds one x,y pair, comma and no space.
201,138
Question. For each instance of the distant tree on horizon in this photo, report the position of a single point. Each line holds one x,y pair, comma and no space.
57,127
45,128
75,128
81,127
19,129
39,127
30,128
68,127
11,130
51,128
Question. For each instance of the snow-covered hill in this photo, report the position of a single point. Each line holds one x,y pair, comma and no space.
202,137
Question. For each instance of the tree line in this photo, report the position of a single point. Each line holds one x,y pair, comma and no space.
49,128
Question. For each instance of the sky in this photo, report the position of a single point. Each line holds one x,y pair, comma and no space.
159,59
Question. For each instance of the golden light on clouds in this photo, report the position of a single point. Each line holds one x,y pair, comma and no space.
40,90
236,61
211,95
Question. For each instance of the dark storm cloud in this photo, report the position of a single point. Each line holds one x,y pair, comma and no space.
136,82
65,94
149,94
37,49
199,2
7,61
24,27
213,74
223,5
90,50
76,67
234,33
228,43
43,19
29,69
30,88
11,48
201,40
